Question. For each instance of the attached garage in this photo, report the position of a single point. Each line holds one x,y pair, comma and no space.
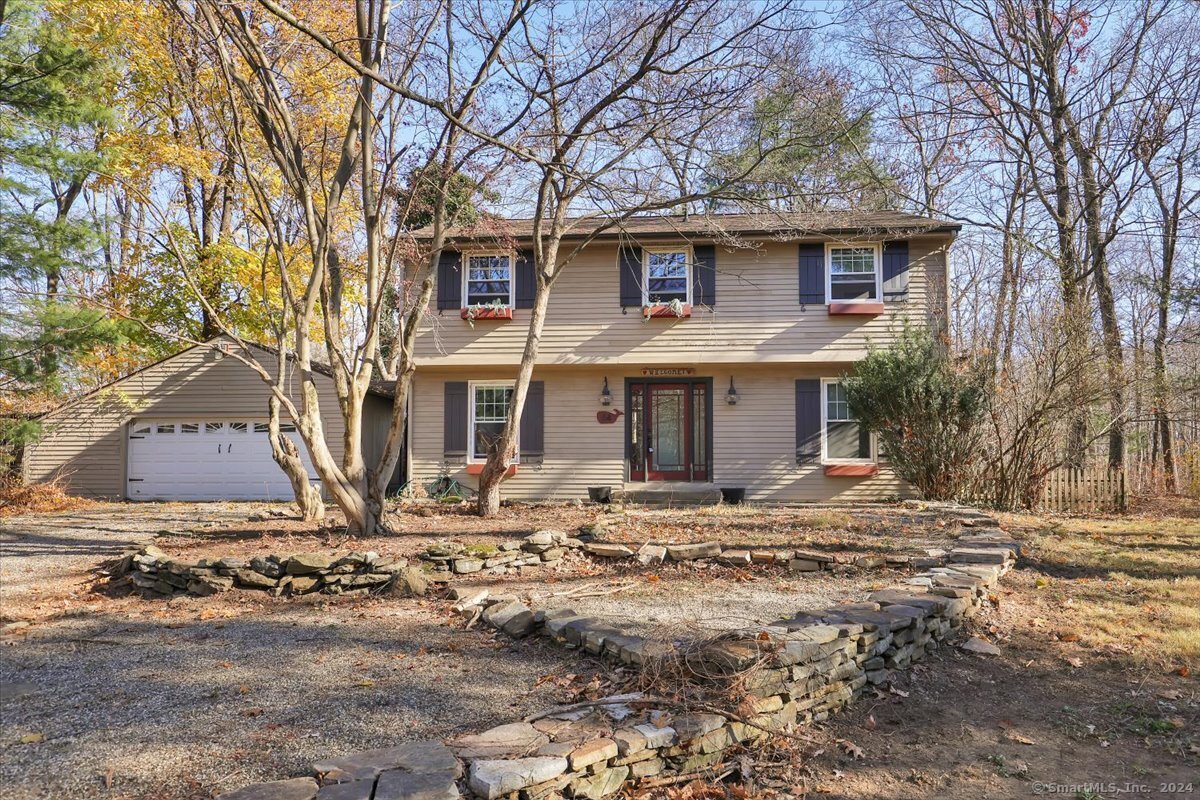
190,427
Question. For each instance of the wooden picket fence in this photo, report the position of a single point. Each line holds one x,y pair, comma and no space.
1082,490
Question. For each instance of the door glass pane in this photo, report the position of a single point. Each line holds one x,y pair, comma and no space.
668,417
699,426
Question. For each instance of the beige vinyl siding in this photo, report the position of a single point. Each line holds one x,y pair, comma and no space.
753,442
757,317
84,443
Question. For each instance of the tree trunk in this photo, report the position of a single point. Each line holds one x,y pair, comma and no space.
283,450
496,468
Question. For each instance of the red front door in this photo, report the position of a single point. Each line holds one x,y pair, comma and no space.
668,428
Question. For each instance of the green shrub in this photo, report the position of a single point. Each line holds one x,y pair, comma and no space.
925,411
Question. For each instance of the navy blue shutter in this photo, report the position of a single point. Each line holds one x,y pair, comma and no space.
629,263
532,443
704,275
895,271
526,280
449,280
808,420
812,273
454,420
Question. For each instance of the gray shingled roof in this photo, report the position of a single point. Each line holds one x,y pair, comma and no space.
774,224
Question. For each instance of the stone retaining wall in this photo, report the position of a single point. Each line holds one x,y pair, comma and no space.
155,573
796,670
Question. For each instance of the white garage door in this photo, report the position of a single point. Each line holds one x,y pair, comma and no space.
207,459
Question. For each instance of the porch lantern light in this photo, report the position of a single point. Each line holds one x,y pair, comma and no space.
605,394
731,396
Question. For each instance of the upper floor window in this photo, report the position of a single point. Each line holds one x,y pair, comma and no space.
489,280
843,439
488,410
668,277
854,273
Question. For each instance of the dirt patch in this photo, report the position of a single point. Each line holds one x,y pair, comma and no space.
1070,701
880,530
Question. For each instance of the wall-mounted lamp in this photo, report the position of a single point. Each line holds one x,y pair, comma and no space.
605,394
731,396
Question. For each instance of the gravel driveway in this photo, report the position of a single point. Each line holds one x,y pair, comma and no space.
126,698
120,697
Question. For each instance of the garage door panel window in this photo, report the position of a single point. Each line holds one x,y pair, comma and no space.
168,427
265,427
189,427
214,427
238,427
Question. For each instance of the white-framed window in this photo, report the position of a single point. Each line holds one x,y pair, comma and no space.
189,427
666,275
489,279
487,412
853,273
843,439
164,427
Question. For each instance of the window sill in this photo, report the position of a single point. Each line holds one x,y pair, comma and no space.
477,469
851,470
871,308
486,313
664,311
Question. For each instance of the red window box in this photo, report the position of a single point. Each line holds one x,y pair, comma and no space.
851,470
660,311
486,312
859,309
477,469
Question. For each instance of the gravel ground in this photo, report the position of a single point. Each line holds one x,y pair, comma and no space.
145,699
118,697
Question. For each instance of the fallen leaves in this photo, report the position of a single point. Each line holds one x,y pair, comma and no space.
851,749
32,737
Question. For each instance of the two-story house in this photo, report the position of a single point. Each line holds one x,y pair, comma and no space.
679,356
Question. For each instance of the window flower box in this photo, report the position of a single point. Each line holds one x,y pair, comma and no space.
859,309
477,469
659,311
476,313
851,470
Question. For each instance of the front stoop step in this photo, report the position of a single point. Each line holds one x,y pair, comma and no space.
704,494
